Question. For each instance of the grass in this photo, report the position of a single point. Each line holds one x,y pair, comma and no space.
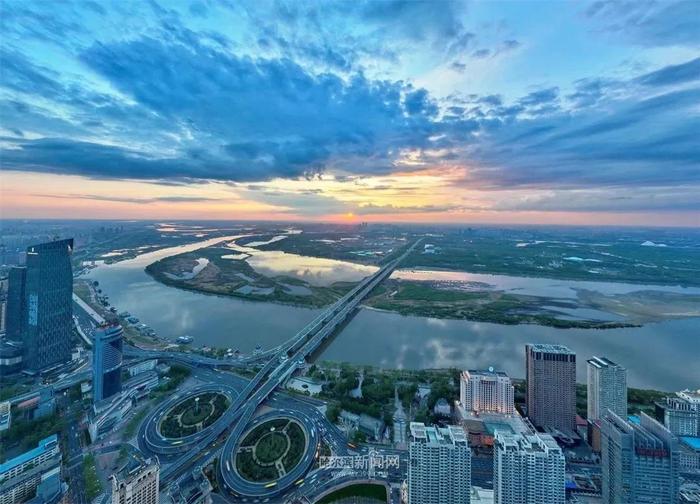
427,299
93,486
182,420
363,490
133,424
270,446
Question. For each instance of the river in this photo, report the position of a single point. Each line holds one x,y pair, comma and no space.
662,355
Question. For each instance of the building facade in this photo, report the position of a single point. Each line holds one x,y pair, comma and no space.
528,469
10,357
486,391
16,303
107,361
682,413
639,461
551,386
136,482
439,470
20,476
47,324
607,388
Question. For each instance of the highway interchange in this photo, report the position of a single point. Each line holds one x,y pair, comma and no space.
179,457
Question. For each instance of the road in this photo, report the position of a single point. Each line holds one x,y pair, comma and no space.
73,465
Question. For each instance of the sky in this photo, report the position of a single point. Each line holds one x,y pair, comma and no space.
581,112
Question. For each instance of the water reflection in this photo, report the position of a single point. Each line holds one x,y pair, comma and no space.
313,270
662,355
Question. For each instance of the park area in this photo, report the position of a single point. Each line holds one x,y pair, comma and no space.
194,414
270,450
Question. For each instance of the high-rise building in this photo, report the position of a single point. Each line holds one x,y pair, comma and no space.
528,469
107,361
47,327
439,469
682,413
486,391
551,386
639,461
136,482
16,303
607,388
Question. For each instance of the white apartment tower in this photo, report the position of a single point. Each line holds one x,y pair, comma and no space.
682,413
439,469
528,469
136,483
607,388
486,391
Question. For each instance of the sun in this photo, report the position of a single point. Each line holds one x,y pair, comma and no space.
349,216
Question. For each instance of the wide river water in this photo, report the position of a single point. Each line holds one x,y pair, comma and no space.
662,355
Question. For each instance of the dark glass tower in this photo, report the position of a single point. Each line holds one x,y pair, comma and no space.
551,386
48,324
15,311
107,362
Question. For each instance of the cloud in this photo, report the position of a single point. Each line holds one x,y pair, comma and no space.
673,74
303,90
657,199
624,143
540,97
647,23
233,118
118,199
397,209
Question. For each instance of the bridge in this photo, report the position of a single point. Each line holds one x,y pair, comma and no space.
288,357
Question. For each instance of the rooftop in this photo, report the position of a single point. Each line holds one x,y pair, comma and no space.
44,445
690,395
550,348
487,372
602,362
533,443
693,442
449,435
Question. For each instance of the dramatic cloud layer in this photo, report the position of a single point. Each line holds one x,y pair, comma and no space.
216,91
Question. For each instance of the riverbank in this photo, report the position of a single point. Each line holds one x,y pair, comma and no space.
426,299
221,271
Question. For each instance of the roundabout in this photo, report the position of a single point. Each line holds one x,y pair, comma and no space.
274,452
185,419
193,414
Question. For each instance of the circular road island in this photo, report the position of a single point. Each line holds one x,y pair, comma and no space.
274,452
193,414
185,419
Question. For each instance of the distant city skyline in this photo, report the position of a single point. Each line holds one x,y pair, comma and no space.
473,112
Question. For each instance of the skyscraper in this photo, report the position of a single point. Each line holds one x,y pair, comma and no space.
607,388
528,469
551,386
16,303
639,461
439,470
136,482
47,327
107,361
486,391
